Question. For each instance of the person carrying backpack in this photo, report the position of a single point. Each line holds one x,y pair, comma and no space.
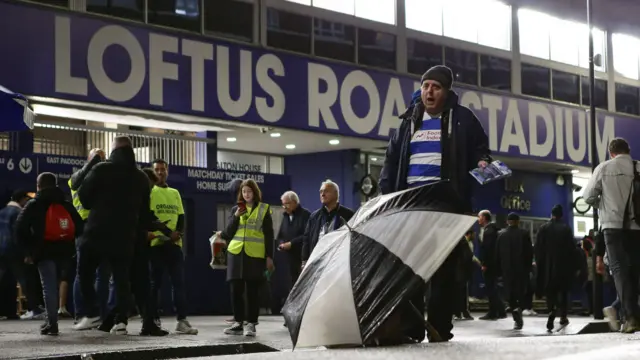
46,229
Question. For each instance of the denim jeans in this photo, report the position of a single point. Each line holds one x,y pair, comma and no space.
168,258
103,275
48,270
623,247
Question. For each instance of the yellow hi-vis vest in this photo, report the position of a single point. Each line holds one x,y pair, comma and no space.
249,234
84,213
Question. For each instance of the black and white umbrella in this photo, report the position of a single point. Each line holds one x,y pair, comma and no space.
359,274
15,112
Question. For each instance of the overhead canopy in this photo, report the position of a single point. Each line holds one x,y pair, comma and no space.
15,114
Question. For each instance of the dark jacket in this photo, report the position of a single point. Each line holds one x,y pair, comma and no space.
514,256
293,231
555,258
30,227
317,220
8,244
118,195
78,177
242,266
488,250
465,145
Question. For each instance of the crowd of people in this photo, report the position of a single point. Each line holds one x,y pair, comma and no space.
126,225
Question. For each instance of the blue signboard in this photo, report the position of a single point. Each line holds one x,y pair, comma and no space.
92,59
18,169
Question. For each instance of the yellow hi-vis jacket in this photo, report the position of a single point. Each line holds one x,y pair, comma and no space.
84,213
249,234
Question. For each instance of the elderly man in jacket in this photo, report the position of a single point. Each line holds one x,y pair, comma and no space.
438,139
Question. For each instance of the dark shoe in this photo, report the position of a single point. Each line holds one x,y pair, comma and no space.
153,330
564,321
49,329
489,317
467,316
106,325
550,321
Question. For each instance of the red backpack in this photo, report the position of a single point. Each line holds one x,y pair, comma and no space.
58,224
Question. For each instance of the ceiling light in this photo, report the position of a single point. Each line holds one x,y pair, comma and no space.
334,141
574,171
290,146
374,159
275,135
231,139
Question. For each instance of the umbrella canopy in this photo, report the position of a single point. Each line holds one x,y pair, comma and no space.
359,274
15,114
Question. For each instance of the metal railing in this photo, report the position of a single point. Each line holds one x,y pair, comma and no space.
78,140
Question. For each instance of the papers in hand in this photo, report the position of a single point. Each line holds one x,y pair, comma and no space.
494,171
218,252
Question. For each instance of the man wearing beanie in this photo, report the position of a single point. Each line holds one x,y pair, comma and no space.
557,265
438,139
514,257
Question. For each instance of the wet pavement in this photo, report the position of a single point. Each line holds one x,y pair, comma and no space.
473,339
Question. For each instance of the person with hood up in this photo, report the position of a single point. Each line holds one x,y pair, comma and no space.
438,139
117,194
47,228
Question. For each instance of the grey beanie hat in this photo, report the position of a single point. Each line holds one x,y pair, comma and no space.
441,74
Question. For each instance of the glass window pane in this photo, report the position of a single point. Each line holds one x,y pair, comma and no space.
128,9
342,6
181,14
288,31
61,3
495,25
565,37
536,81
376,49
334,40
534,33
384,11
233,19
421,56
495,73
627,99
602,101
582,225
626,55
464,65
566,87
461,25
599,46
303,2
414,14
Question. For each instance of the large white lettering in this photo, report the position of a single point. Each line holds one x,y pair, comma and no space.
65,82
271,113
537,110
199,52
320,103
159,70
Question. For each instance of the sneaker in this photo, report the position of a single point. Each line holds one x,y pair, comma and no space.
529,312
183,327
31,315
235,329
612,317
158,322
49,329
249,330
119,329
87,323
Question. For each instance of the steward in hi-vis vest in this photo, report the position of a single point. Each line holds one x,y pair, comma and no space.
75,181
249,235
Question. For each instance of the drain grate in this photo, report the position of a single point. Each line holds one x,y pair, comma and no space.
180,352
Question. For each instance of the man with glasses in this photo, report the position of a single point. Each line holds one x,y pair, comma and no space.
291,232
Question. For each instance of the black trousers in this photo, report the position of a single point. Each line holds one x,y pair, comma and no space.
462,306
496,305
295,267
249,311
141,285
120,264
442,305
558,301
516,291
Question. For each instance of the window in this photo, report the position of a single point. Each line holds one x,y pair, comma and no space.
464,65
303,2
414,15
461,25
495,73
376,49
626,55
383,11
288,31
536,81
233,19
180,14
128,9
547,37
61,3
627,99
602,100
566,87
334,40
421,56
341,6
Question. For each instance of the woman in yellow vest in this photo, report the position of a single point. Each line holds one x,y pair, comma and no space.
249,251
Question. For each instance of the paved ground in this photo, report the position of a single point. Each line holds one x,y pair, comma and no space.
473,339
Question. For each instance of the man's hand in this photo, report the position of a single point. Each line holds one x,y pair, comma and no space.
285,246
599,265
175,236
484,268
482,164
270,266
151,236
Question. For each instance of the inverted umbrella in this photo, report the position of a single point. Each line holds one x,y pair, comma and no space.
15,114
359,274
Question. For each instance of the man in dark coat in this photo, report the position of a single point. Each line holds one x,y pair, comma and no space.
555,255
291,232
117,193
488,252
438,139
514,256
